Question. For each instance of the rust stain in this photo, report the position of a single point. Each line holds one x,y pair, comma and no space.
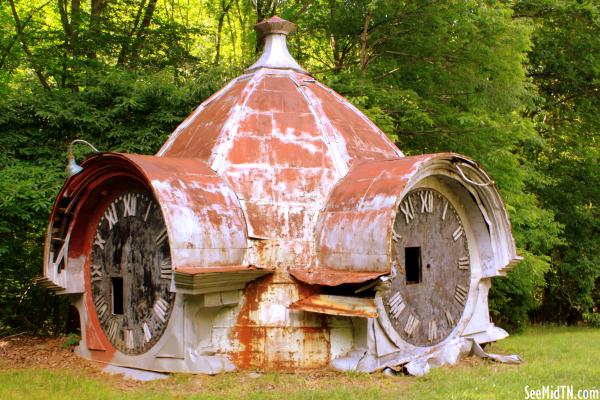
200,134
353,230
249,337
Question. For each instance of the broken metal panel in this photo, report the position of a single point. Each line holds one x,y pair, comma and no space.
332,277
337,305
280,221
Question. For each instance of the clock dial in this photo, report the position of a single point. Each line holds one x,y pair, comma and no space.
428,294
130,272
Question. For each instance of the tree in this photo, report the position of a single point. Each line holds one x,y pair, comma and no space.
565,67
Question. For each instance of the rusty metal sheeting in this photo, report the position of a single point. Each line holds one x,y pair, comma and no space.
282,141
279,107
337,305
332,277
204,220
205,223
354,229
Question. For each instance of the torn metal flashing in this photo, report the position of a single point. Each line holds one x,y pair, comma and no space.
332,277
337,305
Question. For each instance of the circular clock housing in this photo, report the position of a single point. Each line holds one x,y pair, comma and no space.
428,293
130,271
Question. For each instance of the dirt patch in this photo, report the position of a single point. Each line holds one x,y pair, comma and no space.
28,352
21,352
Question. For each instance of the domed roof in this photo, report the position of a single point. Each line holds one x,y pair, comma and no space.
277,135
277,114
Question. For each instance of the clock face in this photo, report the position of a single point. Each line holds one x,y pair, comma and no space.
428,294
130,272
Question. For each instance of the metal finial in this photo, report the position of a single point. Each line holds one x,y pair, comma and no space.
275,53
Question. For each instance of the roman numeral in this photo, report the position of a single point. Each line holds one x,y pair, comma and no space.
432,331
460,294
129,204
426,201
147,333
411,325
444,212
113,327
408,210
101,306
161,236
458,233
397,305
449,318
98,241
95,273
395,236
111,215
147,212
166,270
153,323
129,342
160,309
463,263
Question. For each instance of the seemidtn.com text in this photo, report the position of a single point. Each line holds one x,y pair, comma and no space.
560,392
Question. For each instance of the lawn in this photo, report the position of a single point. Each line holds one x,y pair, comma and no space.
553,356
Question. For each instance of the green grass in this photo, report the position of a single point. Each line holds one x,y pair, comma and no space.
553,356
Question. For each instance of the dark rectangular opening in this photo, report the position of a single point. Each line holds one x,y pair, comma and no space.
117,295
412,259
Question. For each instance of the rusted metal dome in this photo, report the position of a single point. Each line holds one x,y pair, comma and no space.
280,203
278,137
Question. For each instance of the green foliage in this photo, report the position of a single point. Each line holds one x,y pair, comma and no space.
124,111
71,340
592,319
565,66
514,85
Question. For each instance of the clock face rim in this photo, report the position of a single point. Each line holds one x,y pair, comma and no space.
98,200
447,190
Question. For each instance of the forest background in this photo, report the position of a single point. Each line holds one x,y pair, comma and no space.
512,84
